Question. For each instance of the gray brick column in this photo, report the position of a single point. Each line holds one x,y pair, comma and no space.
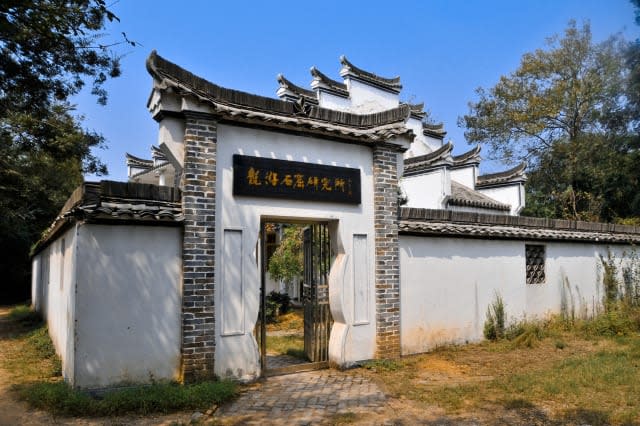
387,263
198,248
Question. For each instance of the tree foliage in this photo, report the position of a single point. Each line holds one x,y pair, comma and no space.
286,263
49,49
567,110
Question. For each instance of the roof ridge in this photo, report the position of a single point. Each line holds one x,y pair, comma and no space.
513,174
433,155
286,84
390,84
137,160
334,86
473,155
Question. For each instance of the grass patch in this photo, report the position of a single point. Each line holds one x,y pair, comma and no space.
29,355
286,345
60,399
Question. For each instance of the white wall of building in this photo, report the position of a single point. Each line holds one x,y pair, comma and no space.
428,190
512,195
465,176
128,304
238,224
53,294
448,283
366,99
331,101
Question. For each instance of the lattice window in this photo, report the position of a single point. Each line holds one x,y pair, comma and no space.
535,263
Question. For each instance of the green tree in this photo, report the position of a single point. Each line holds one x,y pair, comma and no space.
49,48
564,110
286,263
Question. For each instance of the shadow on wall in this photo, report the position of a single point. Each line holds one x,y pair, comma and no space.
128,298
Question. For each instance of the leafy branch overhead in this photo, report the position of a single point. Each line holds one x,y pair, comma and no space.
49,50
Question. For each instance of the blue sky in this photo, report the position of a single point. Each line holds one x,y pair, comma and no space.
442,50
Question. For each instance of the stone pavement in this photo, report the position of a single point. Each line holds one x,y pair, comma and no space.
303,398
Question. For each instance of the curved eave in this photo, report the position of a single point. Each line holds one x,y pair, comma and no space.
513,175
468,158
297,91
417,111
389,84
132,160
322,82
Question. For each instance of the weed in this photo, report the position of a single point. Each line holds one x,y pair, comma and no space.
382,365
343,418
59,398
559,344
23,315
494,326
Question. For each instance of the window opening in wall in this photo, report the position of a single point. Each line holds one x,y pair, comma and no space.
535,255
295,320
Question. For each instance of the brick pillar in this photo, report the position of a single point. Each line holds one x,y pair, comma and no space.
387,282
198,248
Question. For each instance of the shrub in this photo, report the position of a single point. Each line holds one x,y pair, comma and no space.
282,299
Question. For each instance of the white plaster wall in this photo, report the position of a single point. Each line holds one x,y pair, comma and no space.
329,101
512,195
128,304
237,353
366,99
448,283
465,176
428,190
171,133
433,143
419,146
58,295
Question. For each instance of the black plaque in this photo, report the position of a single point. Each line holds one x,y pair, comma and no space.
265,177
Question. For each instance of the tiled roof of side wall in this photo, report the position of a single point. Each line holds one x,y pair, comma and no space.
117,203
443,223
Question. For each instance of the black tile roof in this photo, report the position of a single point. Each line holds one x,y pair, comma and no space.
478,225
466,197
117,202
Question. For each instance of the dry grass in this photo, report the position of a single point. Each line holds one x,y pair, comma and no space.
292,320
589,380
